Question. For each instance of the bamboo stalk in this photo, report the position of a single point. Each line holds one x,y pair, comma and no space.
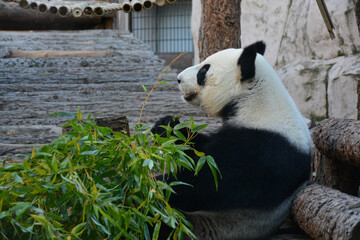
43,7
63,11
24,4
147,4
78,9
33,5
54,9
136,6
126,6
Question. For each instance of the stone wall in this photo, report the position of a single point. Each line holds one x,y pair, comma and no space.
321,74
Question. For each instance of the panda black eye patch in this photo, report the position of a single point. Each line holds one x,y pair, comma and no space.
202,73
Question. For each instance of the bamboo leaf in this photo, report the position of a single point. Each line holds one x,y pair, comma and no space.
198,128
199,154
156,230
4,214
180,135
79,114
182,125
200,164
165,83
39,219
54,164
143,156
78,229
33,153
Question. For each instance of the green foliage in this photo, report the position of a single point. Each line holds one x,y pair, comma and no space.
93,183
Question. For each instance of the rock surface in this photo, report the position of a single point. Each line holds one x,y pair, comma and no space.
306,82
295,30
319,73
324,88
343,78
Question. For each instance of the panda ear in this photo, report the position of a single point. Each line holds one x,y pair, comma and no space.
247,59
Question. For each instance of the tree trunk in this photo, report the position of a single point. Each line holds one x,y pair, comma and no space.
357,13
358,92
335,174
339,139
325,213
220,26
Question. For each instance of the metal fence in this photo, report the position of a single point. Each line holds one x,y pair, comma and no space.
166,29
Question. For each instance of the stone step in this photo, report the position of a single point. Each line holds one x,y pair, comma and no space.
108,87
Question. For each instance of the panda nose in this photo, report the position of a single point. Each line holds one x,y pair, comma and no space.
179,81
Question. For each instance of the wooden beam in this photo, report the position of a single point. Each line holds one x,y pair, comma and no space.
56,54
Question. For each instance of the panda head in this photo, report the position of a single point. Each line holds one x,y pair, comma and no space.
221,78
240,86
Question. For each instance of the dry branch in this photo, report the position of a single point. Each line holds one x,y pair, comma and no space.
326,214
339,139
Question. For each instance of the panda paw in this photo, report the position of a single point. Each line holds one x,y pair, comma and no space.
164,121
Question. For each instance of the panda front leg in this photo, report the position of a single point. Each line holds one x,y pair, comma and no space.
198,140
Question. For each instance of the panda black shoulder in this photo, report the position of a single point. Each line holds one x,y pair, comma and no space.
263,167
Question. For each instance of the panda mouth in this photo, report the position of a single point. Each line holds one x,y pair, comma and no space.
190,96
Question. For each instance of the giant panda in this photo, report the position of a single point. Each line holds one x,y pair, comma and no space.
262,149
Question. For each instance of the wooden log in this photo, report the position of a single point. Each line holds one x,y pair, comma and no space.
326,214
220,26
339,139
335,174
56,54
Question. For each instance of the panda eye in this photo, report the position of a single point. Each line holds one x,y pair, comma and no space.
202,73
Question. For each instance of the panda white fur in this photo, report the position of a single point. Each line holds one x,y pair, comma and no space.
262,149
